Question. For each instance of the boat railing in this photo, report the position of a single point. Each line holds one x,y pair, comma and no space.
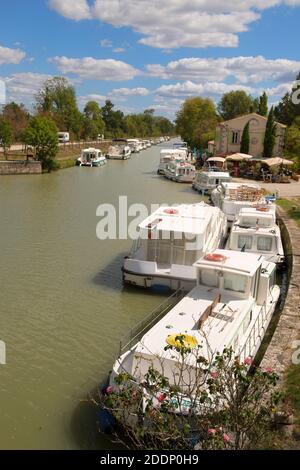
138,331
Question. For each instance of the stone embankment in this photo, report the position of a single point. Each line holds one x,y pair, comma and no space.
281,348
20,167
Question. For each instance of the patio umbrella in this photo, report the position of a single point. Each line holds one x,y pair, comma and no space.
278,161
239,157
216,159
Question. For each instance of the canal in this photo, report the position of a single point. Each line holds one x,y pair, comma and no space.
62,302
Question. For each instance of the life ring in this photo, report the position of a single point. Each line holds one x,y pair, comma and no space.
171,211
180,340
215,257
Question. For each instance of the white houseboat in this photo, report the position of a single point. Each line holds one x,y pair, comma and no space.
91,157
231,306
135,145
232,197
206,181
181,172
169,155
256,231
171,240
119,152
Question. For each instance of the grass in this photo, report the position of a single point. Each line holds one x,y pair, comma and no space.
292,207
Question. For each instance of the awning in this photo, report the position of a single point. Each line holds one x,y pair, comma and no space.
216,159
239,157
277,161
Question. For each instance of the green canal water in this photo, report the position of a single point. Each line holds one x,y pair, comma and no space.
63,306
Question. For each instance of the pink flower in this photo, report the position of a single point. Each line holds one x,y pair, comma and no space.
248,361
226,437
109,389
214,374
161,397
211,431
269,370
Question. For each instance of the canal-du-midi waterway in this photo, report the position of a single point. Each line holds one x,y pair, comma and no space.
63,306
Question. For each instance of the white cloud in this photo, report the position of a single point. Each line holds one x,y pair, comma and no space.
189,88
22,87
105,43
82,100
129,92
243,69
119,49
96,69
74,10
11,56
175,23
279,90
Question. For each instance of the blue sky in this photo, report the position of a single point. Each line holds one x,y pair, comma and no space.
150,53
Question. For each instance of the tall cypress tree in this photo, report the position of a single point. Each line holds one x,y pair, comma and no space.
269,140
263,105
245,142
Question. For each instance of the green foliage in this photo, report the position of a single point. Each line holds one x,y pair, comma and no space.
245,142
18,117
6,135
292,141
41,134
221,406
57,99
270,134
196,121
287,110
263,105
234,104
93,122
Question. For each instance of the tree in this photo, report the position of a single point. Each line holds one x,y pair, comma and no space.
6,135
114,120
263,105
57,99
289,107
234,104
196,121
18,117
245,142
292,141
270,134
41,133
221,407
93,121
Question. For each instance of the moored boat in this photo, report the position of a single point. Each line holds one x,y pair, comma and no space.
91,157
171,240
256,231
206,181
118,152
232,197
231,307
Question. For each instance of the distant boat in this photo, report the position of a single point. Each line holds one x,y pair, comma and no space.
119,152
207,181
91,157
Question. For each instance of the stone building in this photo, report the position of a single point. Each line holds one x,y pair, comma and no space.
229,135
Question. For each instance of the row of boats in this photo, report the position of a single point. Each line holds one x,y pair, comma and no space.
120,150
225,257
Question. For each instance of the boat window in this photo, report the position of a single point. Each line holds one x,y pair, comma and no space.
235,282
264,243
209,278
245,241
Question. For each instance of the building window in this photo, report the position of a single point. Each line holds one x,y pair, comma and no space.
235,137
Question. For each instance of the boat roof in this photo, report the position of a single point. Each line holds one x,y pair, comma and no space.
91,149
233,185
236,261
173,151
217,331
215,174
267,213
186,218
270,231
